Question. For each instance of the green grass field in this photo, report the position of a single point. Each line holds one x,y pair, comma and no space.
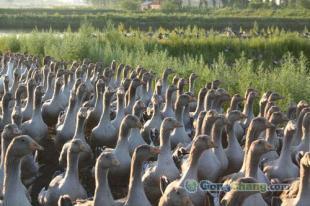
278,62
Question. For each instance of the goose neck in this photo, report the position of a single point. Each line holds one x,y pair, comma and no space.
72,171
285,150
304,184
270,134
135,183
79,130
179,112
252,162
248,108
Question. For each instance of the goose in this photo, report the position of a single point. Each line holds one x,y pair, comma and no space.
233,151
9,132
67,183
178,196
302,197
52,108
191,89
131,95
35,127
299,125
257,125
165,76
237,197
156,119
257,148
119,71
273,97
65,129
14,192
135,138
210,96
144,95
104,163
262,103
248,108
103,195
121,172
271,136
190,175
221,96
179,134
50,87
283,167
304,144
168,110
165,165
6,116
120,111
85,157
104,134
136,194
209,165
216,134
200,104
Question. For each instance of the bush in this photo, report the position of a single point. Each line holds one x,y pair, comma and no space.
305,3
131,4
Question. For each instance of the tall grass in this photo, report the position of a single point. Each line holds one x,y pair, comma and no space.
290,77
292,19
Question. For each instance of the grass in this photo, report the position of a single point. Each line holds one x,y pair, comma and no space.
60,18
290,77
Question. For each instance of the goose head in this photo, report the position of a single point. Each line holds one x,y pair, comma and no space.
168,71
260,147
278,118
177,196
145,152
259,124
82,114
138,108
235,115
271,110
136,82
169,124
181,83
77,146
125,83
215,84
274,96
107,159
183,100
10,131
202,142
131,121
237,99
301,105
23,145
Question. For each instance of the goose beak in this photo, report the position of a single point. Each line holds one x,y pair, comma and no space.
178,124
115,162
139,125
269,147
243,116
35,146
269,125
212,145
155,150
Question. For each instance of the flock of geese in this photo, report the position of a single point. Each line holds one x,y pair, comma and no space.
88,135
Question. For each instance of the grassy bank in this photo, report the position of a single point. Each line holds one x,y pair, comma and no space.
290,77
290,19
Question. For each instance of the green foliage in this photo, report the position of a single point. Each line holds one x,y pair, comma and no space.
305,3
132,5
292,19
205,56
